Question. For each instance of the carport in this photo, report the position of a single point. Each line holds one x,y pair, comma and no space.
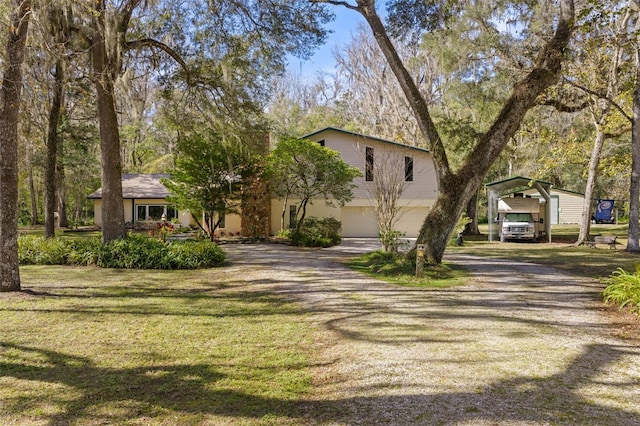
497,189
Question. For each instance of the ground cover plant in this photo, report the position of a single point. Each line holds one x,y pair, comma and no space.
132,252
623,289
148,347
396,268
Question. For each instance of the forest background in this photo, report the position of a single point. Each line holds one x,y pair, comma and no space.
224,69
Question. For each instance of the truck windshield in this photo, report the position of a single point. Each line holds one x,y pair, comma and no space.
518,217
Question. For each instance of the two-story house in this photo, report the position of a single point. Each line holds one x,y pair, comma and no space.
378,159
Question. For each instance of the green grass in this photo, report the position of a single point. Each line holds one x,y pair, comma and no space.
597,262
609,266
397,270
105,346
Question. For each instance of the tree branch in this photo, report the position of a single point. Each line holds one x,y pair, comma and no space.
151,43
337,3
600,96
127,11
562,107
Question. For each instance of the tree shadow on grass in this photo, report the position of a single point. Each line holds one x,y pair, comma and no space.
103,395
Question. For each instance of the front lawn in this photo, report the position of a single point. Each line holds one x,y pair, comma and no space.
83,345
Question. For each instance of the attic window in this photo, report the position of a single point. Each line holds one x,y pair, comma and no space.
369,164
321,142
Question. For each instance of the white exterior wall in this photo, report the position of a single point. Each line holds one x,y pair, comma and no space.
352,149
129,206
97,212
569,205
357,216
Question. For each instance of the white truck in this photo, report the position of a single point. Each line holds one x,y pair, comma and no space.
520,218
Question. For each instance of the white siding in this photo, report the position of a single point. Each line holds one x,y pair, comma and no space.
357,217
352,149
569,208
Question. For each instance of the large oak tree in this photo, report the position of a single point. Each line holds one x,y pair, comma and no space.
457,187
10,92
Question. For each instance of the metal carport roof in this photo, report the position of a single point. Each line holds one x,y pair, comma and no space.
516,184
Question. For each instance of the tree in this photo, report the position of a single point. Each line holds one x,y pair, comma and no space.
602,66
377,105
60,32
385,189
633,242
457,187
208,178
304,170
235,31
10,92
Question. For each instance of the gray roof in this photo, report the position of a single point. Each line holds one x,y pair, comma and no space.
140,186
360,135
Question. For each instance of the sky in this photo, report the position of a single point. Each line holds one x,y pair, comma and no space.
343,27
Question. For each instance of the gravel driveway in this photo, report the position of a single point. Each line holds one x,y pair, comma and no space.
521,344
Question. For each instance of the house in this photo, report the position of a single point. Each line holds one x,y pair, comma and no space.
145,196
374,157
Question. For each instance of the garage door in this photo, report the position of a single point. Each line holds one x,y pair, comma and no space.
358,222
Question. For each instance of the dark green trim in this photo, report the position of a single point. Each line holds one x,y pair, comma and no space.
360,135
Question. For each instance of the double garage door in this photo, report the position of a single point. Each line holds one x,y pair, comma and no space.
361,222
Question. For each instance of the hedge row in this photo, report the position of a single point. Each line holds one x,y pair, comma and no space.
131,252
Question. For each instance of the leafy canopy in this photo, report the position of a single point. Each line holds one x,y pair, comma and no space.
302,169
207,178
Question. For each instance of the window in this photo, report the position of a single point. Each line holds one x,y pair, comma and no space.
155,212
321,142
408,169
369,164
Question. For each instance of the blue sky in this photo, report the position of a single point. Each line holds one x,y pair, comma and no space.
343,27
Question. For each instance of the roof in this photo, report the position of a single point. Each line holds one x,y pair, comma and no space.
140,186
516,184
363,136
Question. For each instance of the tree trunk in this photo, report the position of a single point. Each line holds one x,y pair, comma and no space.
585,223
61,197
32,192
456,189
52,150
10,104
104,76
471,228
633,245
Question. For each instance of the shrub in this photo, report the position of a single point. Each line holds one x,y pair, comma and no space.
41,251
392,241
131,252
623,289
195,254
317,232
85,251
